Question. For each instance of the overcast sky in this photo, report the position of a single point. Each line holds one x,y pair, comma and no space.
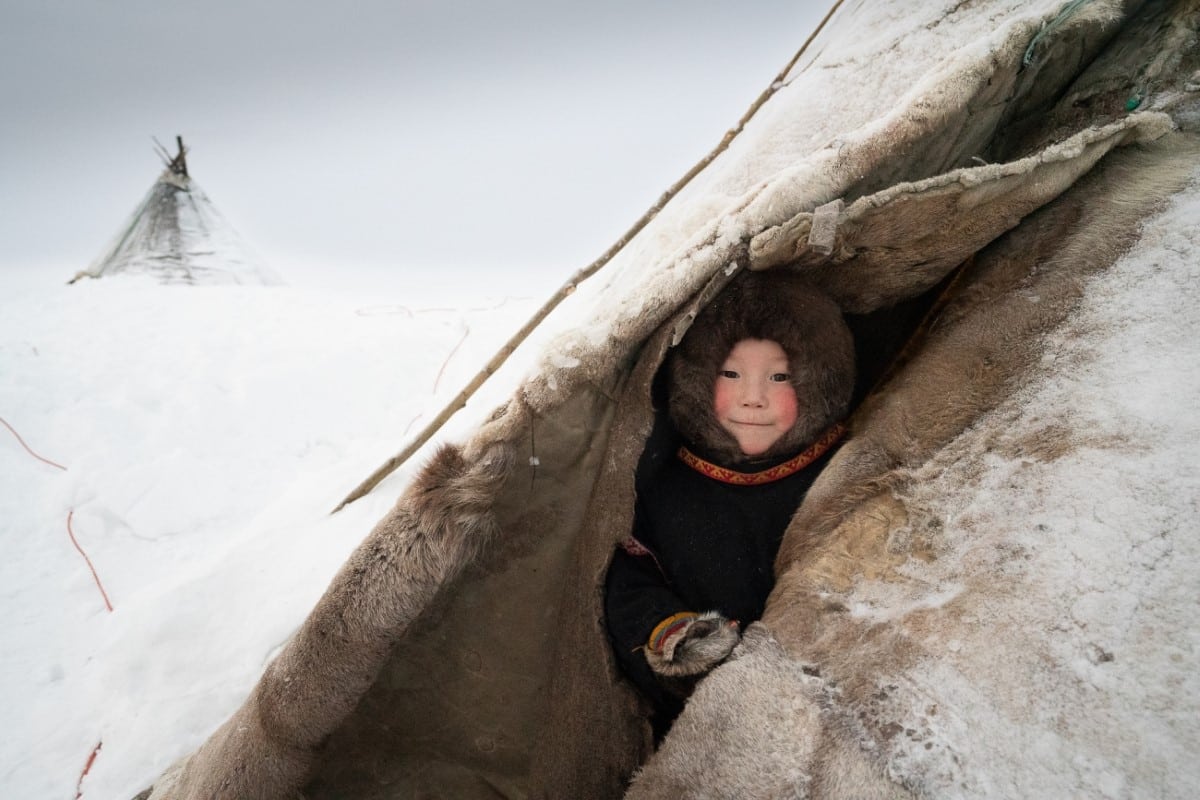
419,137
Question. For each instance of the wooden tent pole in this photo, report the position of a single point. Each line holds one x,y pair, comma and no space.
180,163
568,288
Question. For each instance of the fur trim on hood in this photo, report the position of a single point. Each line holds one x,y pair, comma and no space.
783,308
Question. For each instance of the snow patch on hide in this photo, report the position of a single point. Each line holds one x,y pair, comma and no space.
560,360
1069,514
888,604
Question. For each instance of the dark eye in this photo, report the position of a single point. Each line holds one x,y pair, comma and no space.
728,373
780,377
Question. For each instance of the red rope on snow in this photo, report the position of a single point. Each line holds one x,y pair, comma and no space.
99,585
438,379
86,769
411,422
27,447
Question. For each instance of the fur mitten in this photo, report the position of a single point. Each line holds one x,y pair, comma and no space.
691,644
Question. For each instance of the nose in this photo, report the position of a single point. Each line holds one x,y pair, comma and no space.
753,395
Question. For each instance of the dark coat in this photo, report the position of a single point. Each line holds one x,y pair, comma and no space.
702,543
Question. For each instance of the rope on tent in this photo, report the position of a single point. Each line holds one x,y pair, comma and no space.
95,577
568,288
28,449
1049,28
87,768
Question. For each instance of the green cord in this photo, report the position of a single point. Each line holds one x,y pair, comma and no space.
1050,27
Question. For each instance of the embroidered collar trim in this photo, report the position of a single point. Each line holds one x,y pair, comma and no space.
789,467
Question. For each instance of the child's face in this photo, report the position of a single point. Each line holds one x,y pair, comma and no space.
753,398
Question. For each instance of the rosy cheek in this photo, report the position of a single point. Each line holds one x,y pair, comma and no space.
722,398
787,407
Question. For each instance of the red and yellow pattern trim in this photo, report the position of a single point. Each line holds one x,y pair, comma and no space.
789,467
667,627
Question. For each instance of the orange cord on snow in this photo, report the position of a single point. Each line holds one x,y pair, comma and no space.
86,769
27,447
446,363
99,585
70,532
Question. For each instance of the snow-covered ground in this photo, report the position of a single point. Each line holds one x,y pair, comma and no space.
202,436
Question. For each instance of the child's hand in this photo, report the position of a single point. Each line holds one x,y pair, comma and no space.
691,644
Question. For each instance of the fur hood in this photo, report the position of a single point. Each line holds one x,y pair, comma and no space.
786,309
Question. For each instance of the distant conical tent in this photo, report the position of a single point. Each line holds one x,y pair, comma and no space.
177,235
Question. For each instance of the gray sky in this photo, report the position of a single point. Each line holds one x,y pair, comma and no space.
416,137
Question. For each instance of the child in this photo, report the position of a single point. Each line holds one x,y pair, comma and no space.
757,387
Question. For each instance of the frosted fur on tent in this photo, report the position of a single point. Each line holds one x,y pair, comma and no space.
460,650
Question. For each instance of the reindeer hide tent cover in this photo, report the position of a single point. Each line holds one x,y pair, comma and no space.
913,645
